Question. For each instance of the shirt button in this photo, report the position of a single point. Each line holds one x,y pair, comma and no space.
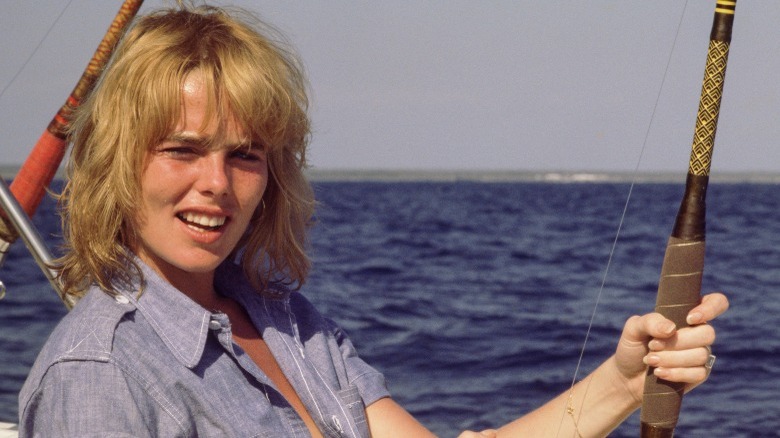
214,325
121,299
337,425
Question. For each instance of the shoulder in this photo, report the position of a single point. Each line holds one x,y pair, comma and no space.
77,355
307,317
302,306
87,331
85,334
105,358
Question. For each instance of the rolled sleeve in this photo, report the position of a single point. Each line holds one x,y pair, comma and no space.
370,382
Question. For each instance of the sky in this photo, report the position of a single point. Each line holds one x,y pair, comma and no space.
463,85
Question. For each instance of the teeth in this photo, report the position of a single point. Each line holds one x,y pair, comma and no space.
203,220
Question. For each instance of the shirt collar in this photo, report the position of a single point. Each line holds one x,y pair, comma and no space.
183,324
180,322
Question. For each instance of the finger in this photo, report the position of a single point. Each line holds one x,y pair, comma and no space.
488,433
678,359
712,305
690,375
640,329
685,339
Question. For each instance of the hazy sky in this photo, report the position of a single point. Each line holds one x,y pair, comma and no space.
475,85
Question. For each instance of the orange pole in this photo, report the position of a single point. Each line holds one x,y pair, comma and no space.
38,170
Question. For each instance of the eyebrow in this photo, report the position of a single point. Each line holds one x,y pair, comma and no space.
196,139
187,137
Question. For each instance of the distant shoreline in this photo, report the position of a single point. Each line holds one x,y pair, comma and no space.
565,176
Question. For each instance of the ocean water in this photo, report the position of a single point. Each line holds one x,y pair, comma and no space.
474,297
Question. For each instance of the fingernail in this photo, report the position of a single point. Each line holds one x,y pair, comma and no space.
651,360
661,372
667,327
656,345
693,318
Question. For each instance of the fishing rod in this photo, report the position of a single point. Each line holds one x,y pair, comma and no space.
679,288
21,200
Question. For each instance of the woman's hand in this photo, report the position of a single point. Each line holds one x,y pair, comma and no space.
488,433
677,355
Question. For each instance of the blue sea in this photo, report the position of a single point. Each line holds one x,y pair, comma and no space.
474,297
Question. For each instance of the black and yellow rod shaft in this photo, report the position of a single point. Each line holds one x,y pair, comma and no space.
679,289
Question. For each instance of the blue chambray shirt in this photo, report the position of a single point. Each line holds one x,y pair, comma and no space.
164,366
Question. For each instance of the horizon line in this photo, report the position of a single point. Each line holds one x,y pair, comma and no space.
497,175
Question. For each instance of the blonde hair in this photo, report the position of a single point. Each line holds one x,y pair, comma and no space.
137,103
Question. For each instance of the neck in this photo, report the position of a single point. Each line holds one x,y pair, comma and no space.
197,286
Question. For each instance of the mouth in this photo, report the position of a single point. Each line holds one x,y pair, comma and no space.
202,222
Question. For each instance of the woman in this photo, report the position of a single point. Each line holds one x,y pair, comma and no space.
185,216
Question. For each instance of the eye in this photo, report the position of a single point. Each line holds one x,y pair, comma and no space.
251,153
179,151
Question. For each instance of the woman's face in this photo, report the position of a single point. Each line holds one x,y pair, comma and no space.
197,199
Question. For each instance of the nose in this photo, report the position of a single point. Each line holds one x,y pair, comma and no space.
213,175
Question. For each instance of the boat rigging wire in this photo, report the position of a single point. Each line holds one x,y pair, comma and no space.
5,245
620,226
35,50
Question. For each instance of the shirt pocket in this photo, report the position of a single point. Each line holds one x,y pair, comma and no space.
351,398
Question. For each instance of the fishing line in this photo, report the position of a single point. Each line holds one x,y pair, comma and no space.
35,50
620,228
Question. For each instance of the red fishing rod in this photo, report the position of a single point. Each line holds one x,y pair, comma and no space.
679,289
35,175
